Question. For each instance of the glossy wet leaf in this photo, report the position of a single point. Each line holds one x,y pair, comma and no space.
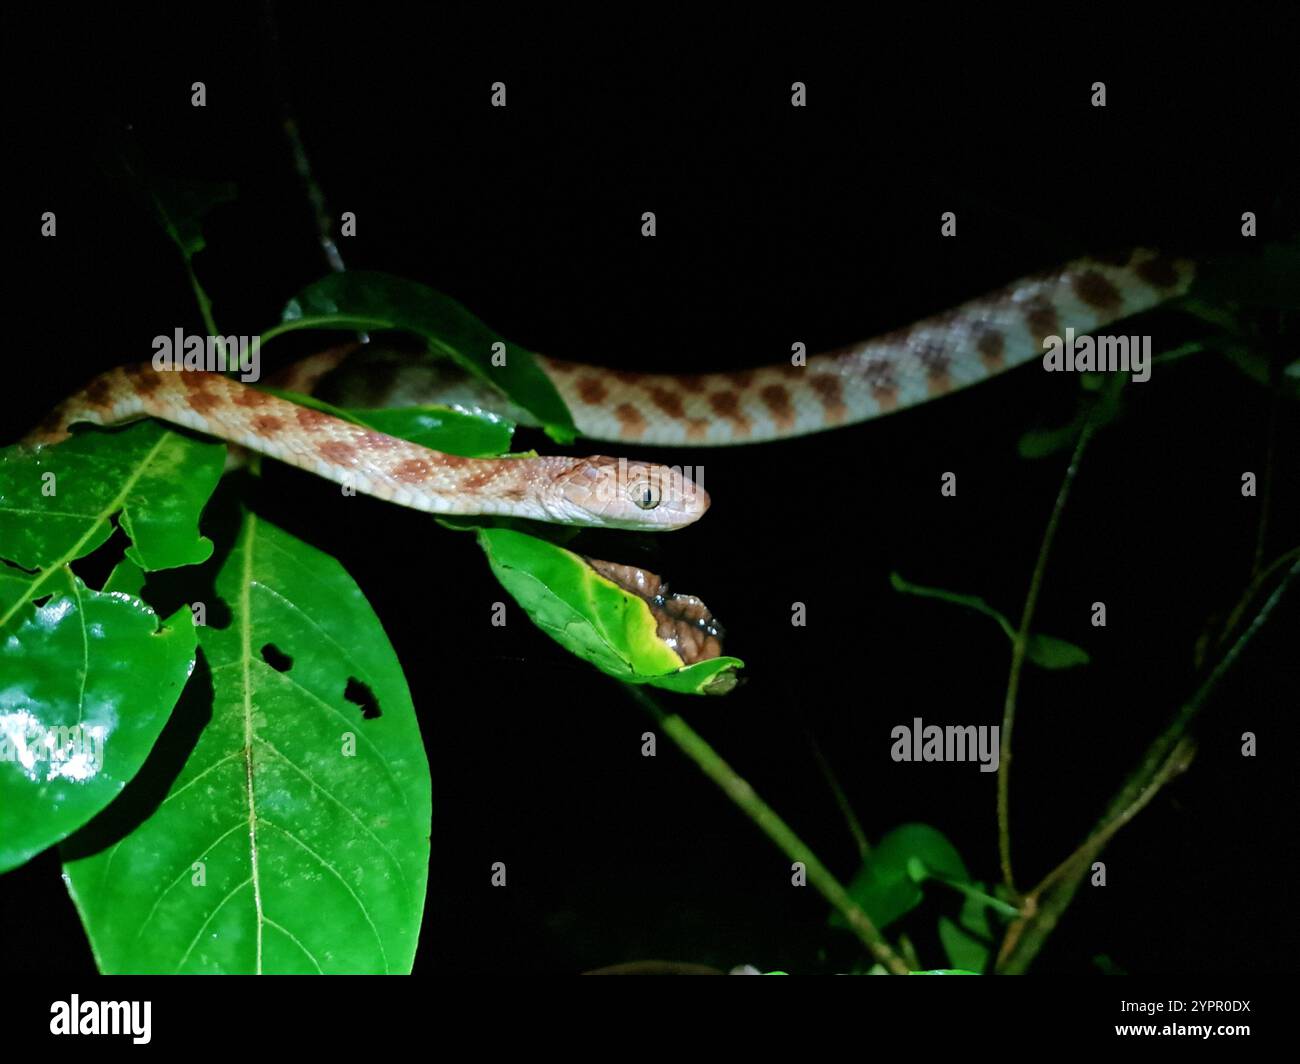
155,481
443,429
376,301
1045,651
295,837
87,681
440,428
887,886
593,617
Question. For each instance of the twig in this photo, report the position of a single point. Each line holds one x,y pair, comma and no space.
842,800
1167,755
740,792
289,123
1270,462
1018,659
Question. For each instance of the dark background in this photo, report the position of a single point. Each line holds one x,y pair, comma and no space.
822,224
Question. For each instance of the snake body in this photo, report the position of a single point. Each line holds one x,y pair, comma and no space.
935,356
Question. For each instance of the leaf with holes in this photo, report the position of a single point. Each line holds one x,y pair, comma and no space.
57,503
593,617
295,838
374,301
87,682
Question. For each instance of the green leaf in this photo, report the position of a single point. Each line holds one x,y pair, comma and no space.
370,301
1100,407
1042,443
442,429
295,839
55,503
1048,652
968,940
887,886
594,618
1045,651
180,207
89,680
944,971
156,480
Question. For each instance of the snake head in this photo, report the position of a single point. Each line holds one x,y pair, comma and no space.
620,493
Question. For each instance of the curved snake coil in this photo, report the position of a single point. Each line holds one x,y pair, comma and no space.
929,359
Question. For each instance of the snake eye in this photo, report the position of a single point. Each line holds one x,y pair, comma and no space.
645,494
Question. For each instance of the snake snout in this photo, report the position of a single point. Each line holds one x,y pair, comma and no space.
623,493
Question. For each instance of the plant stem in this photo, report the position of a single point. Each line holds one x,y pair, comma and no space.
1018,660
1167,755
842,800
740,792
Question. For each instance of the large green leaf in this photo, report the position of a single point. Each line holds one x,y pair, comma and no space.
87,681
56,504
593,617
296,836
374,301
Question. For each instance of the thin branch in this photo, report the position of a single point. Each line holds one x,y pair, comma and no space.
1167,755
842,800
289,123
1270,462
740,792
1018,660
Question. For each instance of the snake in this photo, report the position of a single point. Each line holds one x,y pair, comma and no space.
934,357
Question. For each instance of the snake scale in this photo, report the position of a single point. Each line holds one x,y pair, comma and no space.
934,357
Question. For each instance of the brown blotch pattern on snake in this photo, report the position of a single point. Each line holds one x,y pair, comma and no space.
590,390
252,398
310,419
267,425
990,346
1095,290
668,401
99,392
630,420
412,471
1159,272
337,451
1042,321
777,400
144,378
831,394
205,402
727,404
479,480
